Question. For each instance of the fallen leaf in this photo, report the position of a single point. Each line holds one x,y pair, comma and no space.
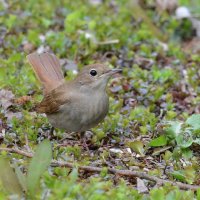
141,187
28,47
166,5
9,115
114,150
22,100
69,65
6,98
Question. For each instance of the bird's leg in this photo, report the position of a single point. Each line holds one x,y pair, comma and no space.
83,140
49,131
52,130
76,136
68,136
81,135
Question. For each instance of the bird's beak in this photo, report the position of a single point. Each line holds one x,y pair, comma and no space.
113,71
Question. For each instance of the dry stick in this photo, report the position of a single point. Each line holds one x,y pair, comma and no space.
17,151
128,173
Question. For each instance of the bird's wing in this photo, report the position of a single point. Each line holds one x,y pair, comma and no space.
52,101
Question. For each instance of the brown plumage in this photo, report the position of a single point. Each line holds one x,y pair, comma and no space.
75,105
48,70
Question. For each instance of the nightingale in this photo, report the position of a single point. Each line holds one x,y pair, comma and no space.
75,105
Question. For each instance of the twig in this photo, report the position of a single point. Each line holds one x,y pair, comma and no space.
108,42
14,150
26,141
128,173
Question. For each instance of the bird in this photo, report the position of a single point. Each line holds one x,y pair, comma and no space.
76,105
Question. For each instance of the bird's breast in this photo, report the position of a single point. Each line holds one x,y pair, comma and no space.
81,113
96,109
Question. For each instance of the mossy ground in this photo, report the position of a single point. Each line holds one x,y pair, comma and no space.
159,85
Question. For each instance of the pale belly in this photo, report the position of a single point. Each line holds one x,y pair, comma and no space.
75,118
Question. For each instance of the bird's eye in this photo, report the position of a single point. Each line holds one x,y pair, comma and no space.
93,72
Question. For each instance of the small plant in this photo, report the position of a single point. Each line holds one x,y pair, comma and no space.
15,182
183,133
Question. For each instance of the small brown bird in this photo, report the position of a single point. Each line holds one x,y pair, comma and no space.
76,105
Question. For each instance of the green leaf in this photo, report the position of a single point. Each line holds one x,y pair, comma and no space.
198,193
190,174
179,175
73,175
21,178
185,139
9,178
74,20
174,129
157,194
104,172
137,146
159,141
196,141
187,175
187,153
194,121
38,165
10,21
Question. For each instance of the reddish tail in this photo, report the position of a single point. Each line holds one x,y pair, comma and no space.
47,69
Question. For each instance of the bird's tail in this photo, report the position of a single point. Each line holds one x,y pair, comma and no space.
48,70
